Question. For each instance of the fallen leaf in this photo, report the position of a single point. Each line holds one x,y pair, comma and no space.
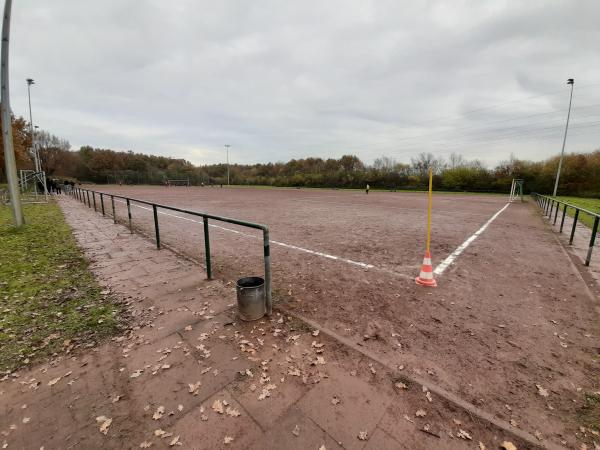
227,440
194,387
335,400
315,333
541,391
104,423
507,445
117,398
481,446
160,411
54,381
136,373
146,444
538,435
362,435
188,328
296,431
463,435
232,412
217,406
428,395
322,447
174,441
420,413
180,407
401,385
26,419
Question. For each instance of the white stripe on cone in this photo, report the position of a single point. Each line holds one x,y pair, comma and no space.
426,275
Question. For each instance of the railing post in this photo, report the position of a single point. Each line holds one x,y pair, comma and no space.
89,203
556,213
562,221
112,202
102,202
574,226
267,255
94,198
207,248
592,240
156,231
129,216
551,207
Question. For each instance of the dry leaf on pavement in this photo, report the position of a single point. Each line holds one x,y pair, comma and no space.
463,435
194,387
420,413
104,423
227,440
160,411
507,445
54,381
362,435
217,406
541,391
296,431
146,444
175,441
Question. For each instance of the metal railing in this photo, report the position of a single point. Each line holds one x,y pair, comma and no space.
88,197
550,205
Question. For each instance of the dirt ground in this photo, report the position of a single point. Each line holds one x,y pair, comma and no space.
511,327
190,374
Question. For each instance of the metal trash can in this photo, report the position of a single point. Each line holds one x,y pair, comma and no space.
251,298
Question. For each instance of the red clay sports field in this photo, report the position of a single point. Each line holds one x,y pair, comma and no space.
512,308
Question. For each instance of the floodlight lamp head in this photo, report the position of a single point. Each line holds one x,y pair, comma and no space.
30,81
570,81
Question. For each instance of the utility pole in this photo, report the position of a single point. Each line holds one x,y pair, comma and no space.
7,138
227,147
570,81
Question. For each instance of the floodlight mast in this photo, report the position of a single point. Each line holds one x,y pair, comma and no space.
7,137
36,158
570,81
227,147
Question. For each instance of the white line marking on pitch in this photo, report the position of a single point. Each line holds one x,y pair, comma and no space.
452,257
282,244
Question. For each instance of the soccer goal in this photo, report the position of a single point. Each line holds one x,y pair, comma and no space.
185,182
516,190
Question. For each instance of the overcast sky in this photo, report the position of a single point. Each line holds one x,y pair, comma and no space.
289,79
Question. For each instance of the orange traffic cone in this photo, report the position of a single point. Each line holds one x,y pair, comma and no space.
425,278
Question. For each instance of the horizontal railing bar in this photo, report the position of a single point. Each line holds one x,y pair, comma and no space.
569,205
243,223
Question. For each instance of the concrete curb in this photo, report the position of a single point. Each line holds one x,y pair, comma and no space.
524,436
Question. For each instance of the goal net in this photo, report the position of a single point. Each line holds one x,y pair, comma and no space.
185,182
516,190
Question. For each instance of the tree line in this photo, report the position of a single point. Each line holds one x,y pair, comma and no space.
580,174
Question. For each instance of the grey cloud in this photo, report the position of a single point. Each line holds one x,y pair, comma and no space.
280,80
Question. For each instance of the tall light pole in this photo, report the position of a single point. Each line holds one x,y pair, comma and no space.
33,146
227,147
570,81
7,138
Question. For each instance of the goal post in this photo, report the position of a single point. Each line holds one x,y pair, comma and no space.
182,182
516,190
